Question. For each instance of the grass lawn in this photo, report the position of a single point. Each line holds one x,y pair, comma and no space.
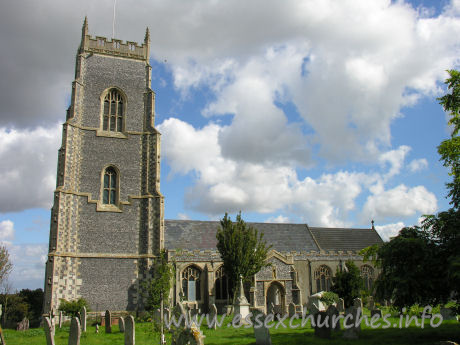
449,330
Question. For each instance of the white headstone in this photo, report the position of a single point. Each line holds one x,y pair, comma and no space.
130,331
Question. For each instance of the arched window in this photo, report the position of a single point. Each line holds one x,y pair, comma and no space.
113,111
191,283
323,278
221,285
110,187
367,273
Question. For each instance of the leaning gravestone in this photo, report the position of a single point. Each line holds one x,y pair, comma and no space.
108,322
262,334
351,331
83,319
323,325
341,305
75,332
333,314
291,309
48,331
447,314
304,309
130,331
213,317
358,303
23,325
121,324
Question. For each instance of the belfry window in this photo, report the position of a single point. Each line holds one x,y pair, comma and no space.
323,278
221,286
113,111
367,273
191,284
110,187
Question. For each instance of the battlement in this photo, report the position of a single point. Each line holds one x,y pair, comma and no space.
114,47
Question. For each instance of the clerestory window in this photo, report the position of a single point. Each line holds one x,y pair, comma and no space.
110,187
113,111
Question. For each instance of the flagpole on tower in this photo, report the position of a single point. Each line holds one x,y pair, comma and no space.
113,22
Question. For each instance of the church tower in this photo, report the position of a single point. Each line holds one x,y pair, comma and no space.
107,217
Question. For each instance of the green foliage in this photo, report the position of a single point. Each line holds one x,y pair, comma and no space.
160,284
15,309
34,301
370,254
329,298
5,263
410,271
348,283
71,308
451,101
242,249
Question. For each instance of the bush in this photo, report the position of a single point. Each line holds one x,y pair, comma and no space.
329,298
71,308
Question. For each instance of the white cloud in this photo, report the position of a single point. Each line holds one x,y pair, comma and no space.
400,201
28,169
389,230
28,265
6,230
279,219
418,164
395,158
183,216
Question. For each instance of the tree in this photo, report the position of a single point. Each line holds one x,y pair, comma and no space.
34,300
71,308
160,284
5,263
242,249
348,283
422,264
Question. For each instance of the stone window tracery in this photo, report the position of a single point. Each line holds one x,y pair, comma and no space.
191,283
110,187
113,111
323,278
367,273
221,285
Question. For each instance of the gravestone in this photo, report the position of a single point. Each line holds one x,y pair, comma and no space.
108,322
178,312
262,334
23,325
61,319
53,323
322,328
291,309
447,314
83,319
241,305
97,328
353,331
156,317
130,331
166,316
48,331
333,314
376,311
213,316
121,324
358,303
316,298
75,332
313,309
371,303
341,305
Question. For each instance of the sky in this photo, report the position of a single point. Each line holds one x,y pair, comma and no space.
317,111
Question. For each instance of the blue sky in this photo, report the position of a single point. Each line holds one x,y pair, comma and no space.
319,112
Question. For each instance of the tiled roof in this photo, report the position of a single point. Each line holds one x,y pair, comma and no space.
192,235
345,239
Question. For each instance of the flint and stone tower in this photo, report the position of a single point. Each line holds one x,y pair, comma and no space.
107,217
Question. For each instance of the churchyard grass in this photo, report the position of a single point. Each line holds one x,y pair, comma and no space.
449,330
